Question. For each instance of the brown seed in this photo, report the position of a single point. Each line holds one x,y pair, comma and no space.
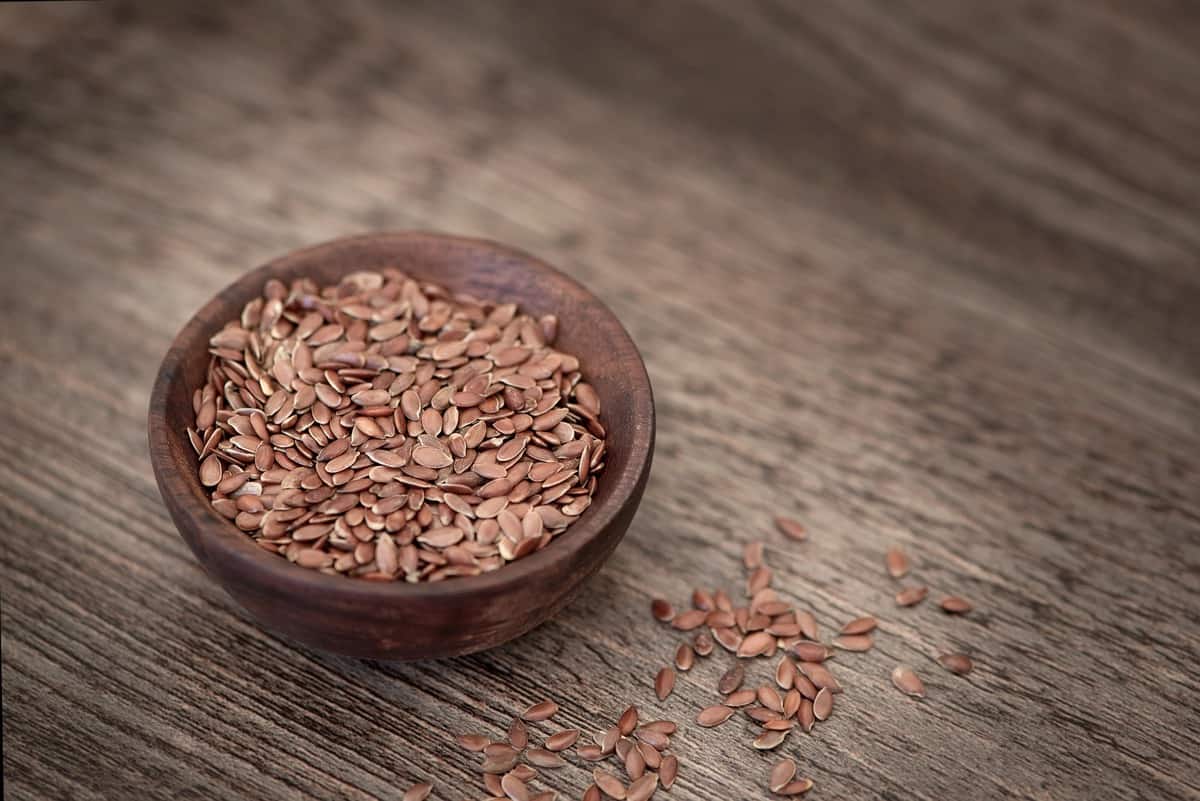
543,710
668,771
642,788
791,529
544,758
702,643
778,724
499,764
731,680
820,676
911,596
761,714
781,774
210,471
803,685
811,651
472,742
907,681
609,784
798,787
662,610
729,639
560,741
524,773
714,715
741,698
756,644
635,764
611,737
667,727
592,753
769,739
664,682
418,792
805,715
860,625
823,704
752,555
702,600
651,755
653,738
956,663
956,605
685,657
518,735
628,720
785,673
623,747
808,625
689,619
791,702
592,793
770,698
514,788
897,563
854,642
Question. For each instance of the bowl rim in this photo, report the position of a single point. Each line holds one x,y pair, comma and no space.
224,541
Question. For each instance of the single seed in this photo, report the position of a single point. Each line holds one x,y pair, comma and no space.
741,698
769,739
642,788
956,605
668,771
769,697
592,753
610,739
662,610
756,644
667,727
690,619
785,673
714,715
805,715
808,625
628,720
592,793
562,740
664,682
911,596
702,600
685,657
653,738
702,644
514,788
524,773
811,652
543,710
791,528
956,663
907,681
518,735
635,764
499,764
731,680
609,784
860,625
473,742
854,642
544,758
820,676
623,747
781,774
651,755
752,555
897,563
778,724
791,702
823,704
798,787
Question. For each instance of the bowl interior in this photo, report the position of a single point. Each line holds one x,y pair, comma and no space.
609,361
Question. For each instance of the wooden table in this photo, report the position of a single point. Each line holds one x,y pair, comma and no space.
919,273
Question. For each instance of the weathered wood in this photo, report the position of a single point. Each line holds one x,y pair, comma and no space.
946,249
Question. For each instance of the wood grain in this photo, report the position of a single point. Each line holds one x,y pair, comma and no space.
920,273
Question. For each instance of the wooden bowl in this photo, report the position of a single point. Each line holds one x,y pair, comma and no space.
397,620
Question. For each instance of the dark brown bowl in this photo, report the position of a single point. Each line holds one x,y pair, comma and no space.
399,620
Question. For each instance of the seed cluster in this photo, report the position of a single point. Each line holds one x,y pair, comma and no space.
391,430
642,749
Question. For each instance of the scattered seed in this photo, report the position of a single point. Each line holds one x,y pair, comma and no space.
514,788
769,697
609,784
911,596
544,758
854,642
897,563
731,680
592,793
518,735
635,764
666,727
689,619
543,710
702,600
791,702
662,610
714,715
798,787
752,555
741,698
781,774
664,682
610,739
823,704
592,753
811,651
643,788
628,720
956,663
805,715
703,644
418,792
860,625
956,605
785,673
808,625
654,739
907,681
820,676
562,740
756,644
499,764
685,657
769,739
791,529
778,724
472,742
668,771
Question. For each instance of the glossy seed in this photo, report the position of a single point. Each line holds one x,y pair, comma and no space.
544,758
854,642
702,644
666,727
805,715
907,681
811,651
791,529
543,710
664,682
823,704
956,605
689,619
911,596
668,771
662,610
592,793
770,698
781,774
956,663
820,676
860,625
896,562
798,787
628,720
642,788
685,657
514,788
769,739
731,680
714,715
418,792
518,735
635,764
472,742
609,784
785,673
741,698
560,741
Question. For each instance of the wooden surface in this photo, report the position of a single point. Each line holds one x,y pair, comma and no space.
917,272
